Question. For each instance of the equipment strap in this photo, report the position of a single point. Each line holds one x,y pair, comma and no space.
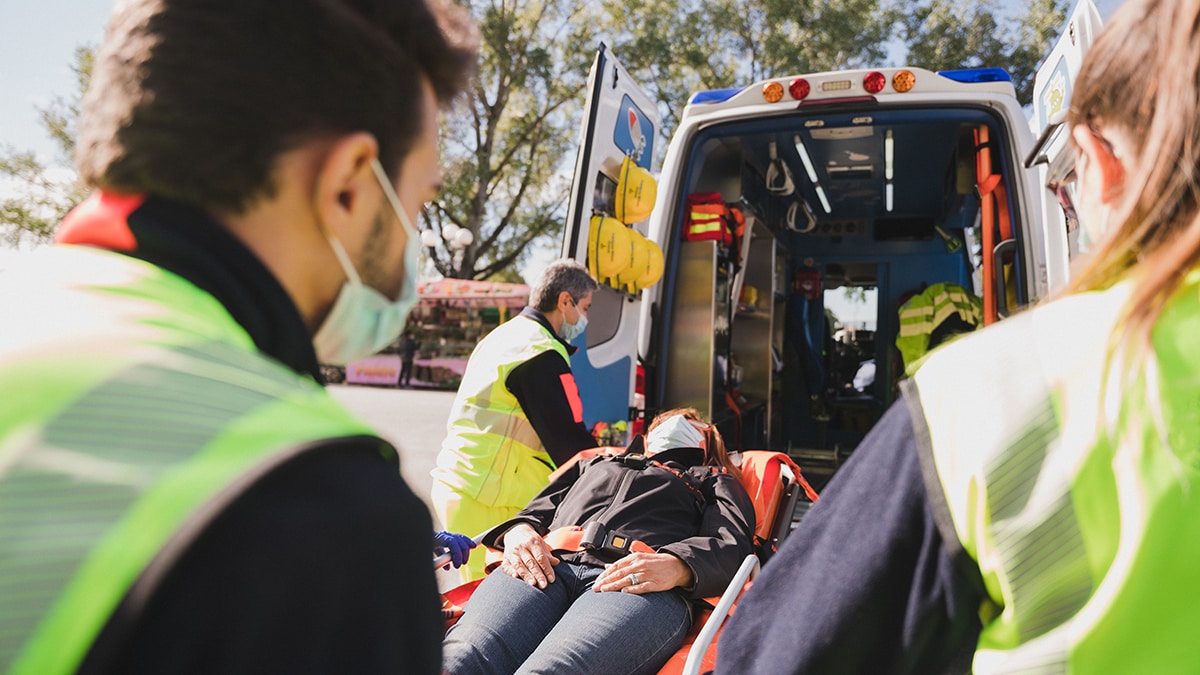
571,539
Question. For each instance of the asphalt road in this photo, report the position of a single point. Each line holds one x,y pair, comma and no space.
414,420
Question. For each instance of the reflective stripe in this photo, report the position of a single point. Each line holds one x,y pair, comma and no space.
702,227
1085,528
571,389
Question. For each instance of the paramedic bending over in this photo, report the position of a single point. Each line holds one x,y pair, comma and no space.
1043,514
517,415
602,610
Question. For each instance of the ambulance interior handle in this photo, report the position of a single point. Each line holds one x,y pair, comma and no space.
1002,249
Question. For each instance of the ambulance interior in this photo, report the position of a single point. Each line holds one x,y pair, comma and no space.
847,214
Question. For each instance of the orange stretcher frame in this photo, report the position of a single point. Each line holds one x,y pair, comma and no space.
774,482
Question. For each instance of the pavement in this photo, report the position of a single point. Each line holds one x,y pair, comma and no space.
414,420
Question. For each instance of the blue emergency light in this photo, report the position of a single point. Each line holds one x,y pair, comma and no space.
715,95
976,75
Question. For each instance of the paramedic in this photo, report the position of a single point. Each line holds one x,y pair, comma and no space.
580,609
1031,503
517,414
180,494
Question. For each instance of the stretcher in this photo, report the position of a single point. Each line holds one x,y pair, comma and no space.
776,484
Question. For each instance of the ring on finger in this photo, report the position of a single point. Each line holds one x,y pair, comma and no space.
633,579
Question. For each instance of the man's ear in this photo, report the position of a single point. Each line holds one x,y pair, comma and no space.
563,296
1111,172
347,193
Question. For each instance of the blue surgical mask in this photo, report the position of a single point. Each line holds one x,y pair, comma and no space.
570,331
363,320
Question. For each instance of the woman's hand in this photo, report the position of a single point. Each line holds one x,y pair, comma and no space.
527,556
644,573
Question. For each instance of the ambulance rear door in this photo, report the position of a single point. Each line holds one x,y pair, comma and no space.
620,121
1052,90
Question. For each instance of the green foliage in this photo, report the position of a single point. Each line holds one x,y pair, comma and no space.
942,35
44,193
507,154
509,149
677,47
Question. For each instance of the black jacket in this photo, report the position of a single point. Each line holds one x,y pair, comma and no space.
699,514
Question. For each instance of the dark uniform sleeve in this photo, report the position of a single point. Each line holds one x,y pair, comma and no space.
724,540
864,584
322,566
546,391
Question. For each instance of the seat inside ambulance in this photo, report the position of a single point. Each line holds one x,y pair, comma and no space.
849,212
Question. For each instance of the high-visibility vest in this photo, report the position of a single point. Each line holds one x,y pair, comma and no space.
135,408
1085,525
492,453
921,314
707,218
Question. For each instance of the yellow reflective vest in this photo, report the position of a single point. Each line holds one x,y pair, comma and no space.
135,408
1075,492
491,452
921,314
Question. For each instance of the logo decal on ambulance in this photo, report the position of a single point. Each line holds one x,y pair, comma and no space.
634,134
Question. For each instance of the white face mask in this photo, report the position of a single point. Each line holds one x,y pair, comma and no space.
363,320
570,331
674,432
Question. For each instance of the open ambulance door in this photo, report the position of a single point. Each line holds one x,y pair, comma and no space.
611,198
1051,96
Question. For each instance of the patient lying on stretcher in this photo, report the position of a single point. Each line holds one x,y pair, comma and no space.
600,569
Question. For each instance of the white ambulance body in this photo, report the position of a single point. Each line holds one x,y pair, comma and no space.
858,189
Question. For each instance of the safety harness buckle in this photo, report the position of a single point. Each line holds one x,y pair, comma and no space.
596,537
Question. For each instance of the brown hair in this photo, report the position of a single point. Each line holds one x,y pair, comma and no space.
194,100
1141,77
714,445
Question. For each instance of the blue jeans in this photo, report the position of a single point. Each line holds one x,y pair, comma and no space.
510,626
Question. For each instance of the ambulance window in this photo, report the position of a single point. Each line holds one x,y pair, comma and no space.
852,312
604,199
855,307
604,316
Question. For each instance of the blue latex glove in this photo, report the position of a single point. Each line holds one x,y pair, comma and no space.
459,546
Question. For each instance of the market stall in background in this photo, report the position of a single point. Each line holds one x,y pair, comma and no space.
451,317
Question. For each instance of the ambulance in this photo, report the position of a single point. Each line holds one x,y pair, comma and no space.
761,274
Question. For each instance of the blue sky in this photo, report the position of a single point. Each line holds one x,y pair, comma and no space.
37,44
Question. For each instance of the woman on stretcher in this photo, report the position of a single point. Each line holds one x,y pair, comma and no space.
630,541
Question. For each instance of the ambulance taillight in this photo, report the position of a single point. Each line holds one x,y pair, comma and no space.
799,88
873,82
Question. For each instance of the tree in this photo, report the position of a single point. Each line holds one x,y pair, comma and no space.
946,35
507,160
45,193
677,47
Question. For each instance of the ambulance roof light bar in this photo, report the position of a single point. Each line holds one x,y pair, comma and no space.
805,87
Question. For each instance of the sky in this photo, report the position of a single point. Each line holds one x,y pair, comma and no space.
37,45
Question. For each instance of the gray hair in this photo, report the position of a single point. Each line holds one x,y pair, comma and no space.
562,275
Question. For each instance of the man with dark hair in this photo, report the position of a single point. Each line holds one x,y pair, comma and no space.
517,415
180,493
